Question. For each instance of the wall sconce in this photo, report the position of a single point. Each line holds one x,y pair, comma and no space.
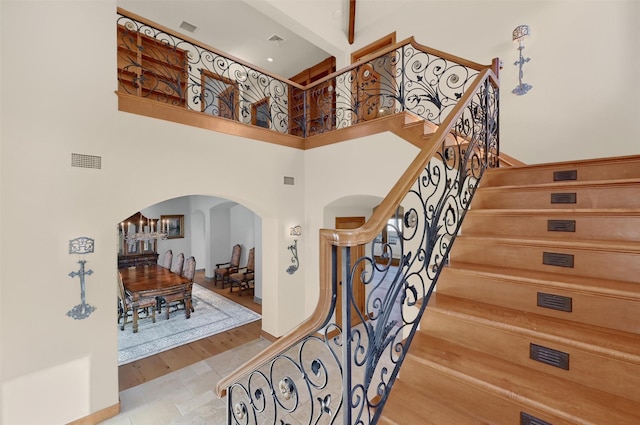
81,246
294,231
519,34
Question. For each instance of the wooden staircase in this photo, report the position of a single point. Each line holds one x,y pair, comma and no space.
537,319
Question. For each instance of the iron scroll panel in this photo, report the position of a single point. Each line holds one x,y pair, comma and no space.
159,65
342,374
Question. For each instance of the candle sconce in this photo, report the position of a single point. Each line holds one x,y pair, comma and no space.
519,35
81,245
294,231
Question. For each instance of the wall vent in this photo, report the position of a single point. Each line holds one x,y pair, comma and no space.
81,160
188,27
276,39
289,180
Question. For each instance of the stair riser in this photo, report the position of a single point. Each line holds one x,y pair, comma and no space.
597,227
484,405
615,196
586,368
621,266
584,172
588,308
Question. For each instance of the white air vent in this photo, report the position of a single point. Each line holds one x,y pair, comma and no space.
188,27
86,161
289,180
276,39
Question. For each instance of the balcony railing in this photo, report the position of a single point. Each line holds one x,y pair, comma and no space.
340,364
156,64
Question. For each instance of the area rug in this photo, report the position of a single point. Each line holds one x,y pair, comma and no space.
213,314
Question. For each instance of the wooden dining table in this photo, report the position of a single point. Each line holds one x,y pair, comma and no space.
155,281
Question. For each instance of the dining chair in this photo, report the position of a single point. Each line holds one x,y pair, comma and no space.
177,266
244,278
167,301
223,270
126,304
167,259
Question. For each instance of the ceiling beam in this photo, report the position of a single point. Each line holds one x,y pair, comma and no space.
352,20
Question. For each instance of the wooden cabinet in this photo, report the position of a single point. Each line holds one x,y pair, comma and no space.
151,68
135,260
311,111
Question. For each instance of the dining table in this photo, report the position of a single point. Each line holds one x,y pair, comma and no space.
155,281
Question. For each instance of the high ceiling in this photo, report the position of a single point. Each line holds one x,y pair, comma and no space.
236,28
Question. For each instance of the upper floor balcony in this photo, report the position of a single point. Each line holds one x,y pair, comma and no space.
175,71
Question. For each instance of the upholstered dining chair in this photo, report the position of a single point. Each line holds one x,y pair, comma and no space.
126,304
223,270
189,272
167,259
177,265
244,277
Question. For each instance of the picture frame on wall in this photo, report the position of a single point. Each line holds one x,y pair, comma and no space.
173,225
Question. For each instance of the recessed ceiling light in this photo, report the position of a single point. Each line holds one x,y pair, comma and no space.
269,59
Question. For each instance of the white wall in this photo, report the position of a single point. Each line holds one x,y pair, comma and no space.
585,58
58,98
350,177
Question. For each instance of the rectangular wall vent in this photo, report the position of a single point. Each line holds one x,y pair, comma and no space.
561,225
563,198
549,356
559,176
81,160
557,259
188,27
289,180
527,419
555,302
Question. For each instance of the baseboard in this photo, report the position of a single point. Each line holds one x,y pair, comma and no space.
268,336
99,416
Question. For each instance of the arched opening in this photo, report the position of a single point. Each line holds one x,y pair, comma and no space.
212,225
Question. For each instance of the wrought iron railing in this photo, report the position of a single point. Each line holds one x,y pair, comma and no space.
340,364
333,370
156,64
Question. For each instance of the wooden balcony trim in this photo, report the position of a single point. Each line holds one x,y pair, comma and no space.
151,108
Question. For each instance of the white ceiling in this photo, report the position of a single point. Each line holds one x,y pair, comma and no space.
236,28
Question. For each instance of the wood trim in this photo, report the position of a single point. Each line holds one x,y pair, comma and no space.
372,48
352,20
99,416
268,336
509,161
154,109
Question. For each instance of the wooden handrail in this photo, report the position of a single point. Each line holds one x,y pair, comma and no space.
407,41
354,237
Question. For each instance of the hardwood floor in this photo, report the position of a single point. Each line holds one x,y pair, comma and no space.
140,371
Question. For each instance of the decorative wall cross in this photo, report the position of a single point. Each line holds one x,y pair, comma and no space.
81,245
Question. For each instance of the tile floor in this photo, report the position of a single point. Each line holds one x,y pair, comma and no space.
186,396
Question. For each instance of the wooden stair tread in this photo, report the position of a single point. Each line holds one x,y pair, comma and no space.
400,409
564,185
585,244
517,383
616,344
571,164
596,212
613,288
